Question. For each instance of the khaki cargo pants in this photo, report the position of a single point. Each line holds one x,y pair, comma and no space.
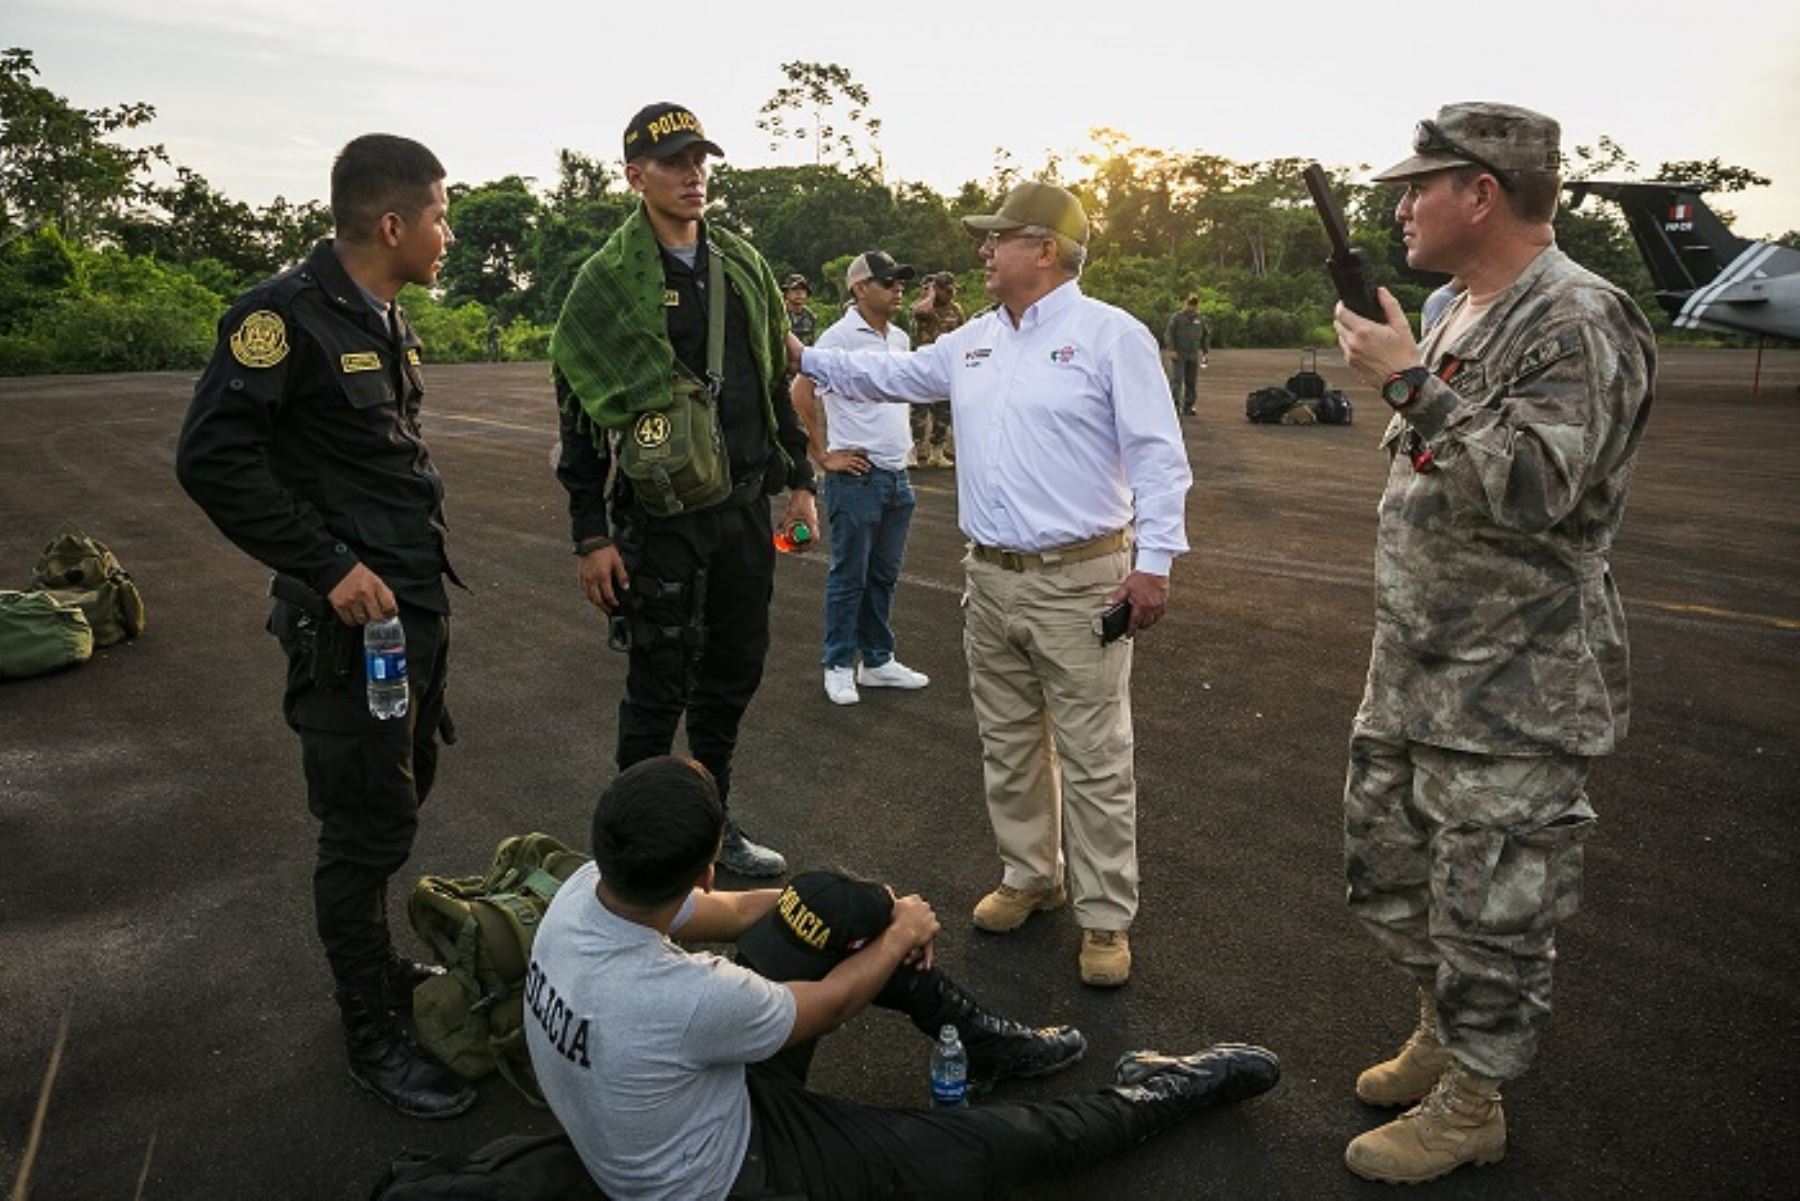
1054,710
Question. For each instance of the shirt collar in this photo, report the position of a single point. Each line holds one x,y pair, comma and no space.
1050,304
340,286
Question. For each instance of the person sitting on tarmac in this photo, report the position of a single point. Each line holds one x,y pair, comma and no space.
683,1075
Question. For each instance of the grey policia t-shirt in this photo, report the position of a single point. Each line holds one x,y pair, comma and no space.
640,1047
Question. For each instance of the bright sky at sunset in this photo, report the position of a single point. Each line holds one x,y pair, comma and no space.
258,97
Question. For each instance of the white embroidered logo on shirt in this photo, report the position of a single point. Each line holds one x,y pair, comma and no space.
972,358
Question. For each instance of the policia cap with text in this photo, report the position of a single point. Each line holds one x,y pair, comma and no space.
1503,138
819,919
1041,204
660,130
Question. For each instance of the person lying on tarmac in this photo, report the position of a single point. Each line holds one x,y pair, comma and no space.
683,1075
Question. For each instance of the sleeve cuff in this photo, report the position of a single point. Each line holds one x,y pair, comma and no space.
1154,562
1429,413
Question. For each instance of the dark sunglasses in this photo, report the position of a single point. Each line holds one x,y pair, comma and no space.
1429,137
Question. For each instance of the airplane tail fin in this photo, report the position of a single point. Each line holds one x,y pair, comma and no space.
1683,242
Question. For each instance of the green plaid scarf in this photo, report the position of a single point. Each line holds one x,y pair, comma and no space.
611,342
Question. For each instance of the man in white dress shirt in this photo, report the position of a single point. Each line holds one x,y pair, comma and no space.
1069,459
867,497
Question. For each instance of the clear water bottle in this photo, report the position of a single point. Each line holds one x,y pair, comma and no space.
949,1072
384,660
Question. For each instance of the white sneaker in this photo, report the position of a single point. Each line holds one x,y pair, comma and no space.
892,674
840,685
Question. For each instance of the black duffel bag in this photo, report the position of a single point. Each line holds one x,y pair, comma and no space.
1265,406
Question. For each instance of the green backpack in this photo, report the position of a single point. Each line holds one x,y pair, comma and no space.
81,571
39,633
481,929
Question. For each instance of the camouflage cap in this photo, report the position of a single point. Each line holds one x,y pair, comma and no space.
1033,203
796,280
1501,137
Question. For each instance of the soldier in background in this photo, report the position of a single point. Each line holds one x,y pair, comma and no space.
1188,339
1499,664
493,337
935,315
795,291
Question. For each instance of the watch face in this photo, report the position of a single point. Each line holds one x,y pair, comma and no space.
1396,391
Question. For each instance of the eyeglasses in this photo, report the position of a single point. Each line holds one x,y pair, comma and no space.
1428,136
997,236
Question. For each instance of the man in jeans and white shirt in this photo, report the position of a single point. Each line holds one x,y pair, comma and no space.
867,497
1067,442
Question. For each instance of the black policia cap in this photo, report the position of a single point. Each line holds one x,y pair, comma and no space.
664,129
820,918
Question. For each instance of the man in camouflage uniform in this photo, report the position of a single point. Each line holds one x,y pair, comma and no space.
935,315
1189,339
1499,663
796,292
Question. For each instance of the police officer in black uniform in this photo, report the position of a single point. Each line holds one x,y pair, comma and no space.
303,446
690,592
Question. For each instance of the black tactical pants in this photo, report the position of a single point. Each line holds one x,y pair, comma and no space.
698,615
806,1144
365,778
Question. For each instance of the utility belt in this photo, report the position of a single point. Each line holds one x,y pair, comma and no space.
1050,560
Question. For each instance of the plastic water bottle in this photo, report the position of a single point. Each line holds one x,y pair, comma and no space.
786,541
949,1072
384,657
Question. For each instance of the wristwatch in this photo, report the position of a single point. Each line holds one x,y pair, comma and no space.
1402,387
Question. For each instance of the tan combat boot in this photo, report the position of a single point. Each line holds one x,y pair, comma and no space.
1408,1076
1459,1122
1006,908
1105,958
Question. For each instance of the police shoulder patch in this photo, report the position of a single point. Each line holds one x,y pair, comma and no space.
260,340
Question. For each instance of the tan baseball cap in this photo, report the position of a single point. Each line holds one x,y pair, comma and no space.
1033,203
1500,137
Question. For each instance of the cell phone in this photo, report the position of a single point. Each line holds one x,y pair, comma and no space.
1113,621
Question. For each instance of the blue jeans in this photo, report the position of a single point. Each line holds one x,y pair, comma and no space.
868,516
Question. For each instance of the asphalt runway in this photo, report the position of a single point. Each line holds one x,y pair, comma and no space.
155,848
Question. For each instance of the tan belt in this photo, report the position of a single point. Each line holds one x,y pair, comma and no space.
1075,552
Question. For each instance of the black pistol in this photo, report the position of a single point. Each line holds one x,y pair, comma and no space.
1348,265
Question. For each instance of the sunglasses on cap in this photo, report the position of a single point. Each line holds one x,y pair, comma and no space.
1429,137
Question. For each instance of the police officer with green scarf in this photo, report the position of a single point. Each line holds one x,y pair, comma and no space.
689,589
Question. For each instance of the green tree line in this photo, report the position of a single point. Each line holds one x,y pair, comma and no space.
104,269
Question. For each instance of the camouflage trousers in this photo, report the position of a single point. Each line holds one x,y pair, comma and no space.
1461,866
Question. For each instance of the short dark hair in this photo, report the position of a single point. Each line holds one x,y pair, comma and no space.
380,173
656,828
1532,197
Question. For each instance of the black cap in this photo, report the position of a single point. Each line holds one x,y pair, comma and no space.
820,918
660,130
877,266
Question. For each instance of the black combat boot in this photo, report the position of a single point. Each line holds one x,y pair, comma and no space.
1164,1089
999,1048
401,977
387,1063
738,853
